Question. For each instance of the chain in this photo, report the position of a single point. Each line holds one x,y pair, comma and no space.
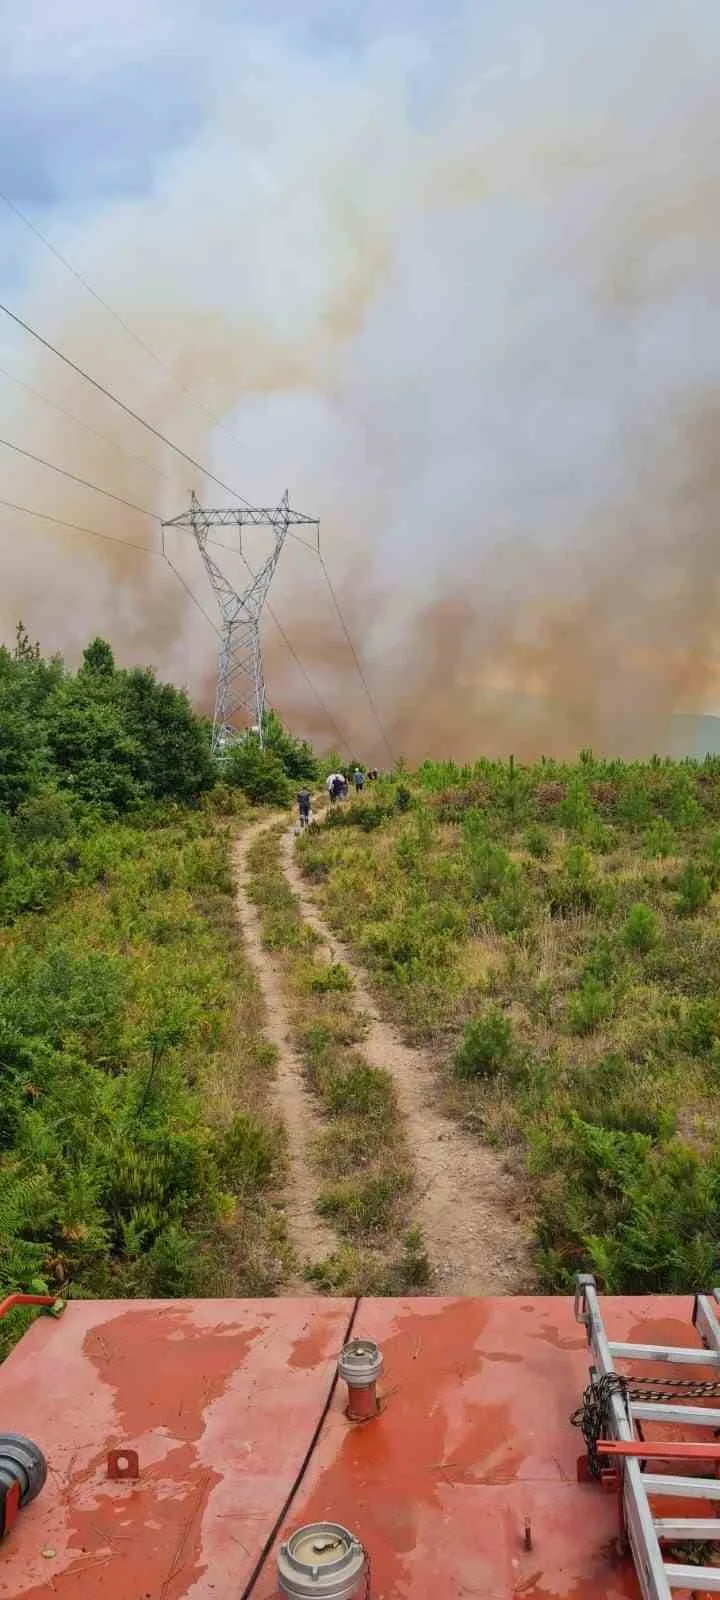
368,1573
670,1388
594,1414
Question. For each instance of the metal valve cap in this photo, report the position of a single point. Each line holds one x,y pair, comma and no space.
322,1559
360,1363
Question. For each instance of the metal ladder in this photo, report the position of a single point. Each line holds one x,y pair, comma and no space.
659,1579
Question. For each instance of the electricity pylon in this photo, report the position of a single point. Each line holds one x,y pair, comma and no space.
240,688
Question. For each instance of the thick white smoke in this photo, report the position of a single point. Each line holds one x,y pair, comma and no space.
463,303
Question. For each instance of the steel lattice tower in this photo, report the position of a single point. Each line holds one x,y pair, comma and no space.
240,683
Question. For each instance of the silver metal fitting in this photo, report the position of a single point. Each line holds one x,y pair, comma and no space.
323,1559
360,1363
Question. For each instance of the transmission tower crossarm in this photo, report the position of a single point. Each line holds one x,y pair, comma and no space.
244,516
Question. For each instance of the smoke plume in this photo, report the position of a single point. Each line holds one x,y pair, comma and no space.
462,302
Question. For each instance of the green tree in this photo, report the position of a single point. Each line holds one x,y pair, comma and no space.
258,772
91,748
296,756
98,657
176,761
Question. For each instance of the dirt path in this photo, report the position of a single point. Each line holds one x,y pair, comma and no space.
311,1239
466,1205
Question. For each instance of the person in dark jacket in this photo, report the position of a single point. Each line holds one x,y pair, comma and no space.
303,801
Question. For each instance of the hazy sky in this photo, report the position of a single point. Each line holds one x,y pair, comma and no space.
449,272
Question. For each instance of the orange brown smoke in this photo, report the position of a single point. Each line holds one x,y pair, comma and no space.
480,346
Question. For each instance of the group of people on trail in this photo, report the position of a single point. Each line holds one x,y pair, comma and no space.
337,784
337,787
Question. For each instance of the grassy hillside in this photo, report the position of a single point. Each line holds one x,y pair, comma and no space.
553,932
137,1155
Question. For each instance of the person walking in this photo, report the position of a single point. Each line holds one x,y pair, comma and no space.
359,780
303,801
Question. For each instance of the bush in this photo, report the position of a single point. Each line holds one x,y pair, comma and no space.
693,890
575,887
641,930
700,1027
660,838
602,961
257,772
537,842
296,756
333,979
645,1220
590,1007
363,1205
487,1047
247,1155
361,1091
356,815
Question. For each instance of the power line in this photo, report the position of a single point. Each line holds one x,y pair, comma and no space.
77,527
74,367
323,707
111,538
86,484
81,423
142,344
184,454
143,510
189,592
356,659
216,422
108,493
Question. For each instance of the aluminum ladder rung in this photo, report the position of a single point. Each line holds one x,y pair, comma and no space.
700,1528
658,1579
692,1416
681,1488
660,1352
693,1578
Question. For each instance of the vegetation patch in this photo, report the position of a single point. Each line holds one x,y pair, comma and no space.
136,1153
553,932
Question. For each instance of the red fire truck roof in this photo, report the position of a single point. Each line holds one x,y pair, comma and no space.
241,1435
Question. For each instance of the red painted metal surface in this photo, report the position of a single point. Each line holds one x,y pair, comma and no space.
220,1400
474,1443
463,1486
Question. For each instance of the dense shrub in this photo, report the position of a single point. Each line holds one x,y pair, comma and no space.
641,930
693,890
112,739
487,1046
257,771
590,1007
537,842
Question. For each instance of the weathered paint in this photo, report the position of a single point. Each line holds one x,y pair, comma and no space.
221,1400
474,1439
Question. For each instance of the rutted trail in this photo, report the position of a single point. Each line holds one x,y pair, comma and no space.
465,1204
310,1237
